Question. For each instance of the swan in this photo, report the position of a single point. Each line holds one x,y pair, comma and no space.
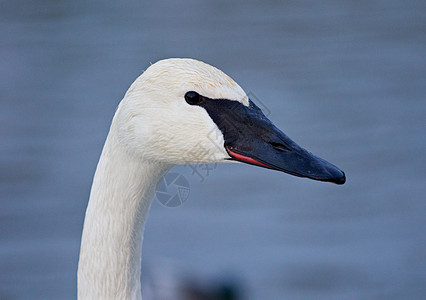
179,111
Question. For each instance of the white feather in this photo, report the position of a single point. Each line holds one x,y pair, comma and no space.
152,130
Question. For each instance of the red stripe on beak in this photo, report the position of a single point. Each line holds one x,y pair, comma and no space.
245,159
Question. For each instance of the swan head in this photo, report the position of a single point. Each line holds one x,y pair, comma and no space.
183,111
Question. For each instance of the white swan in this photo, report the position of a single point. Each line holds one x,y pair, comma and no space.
178,111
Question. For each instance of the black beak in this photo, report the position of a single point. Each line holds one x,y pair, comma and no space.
251,137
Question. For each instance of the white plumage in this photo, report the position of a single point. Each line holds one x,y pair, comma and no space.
152,130
179,111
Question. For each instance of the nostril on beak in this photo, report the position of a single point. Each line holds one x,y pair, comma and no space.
279,146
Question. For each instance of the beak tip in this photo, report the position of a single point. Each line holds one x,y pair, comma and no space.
340,178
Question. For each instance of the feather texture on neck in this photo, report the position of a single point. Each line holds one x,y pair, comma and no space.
122,192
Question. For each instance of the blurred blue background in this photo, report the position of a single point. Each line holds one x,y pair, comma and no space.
345,79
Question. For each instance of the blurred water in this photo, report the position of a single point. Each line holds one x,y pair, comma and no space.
345,79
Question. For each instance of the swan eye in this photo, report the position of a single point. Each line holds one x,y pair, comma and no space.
192,98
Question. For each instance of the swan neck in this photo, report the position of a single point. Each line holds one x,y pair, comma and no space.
121,194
